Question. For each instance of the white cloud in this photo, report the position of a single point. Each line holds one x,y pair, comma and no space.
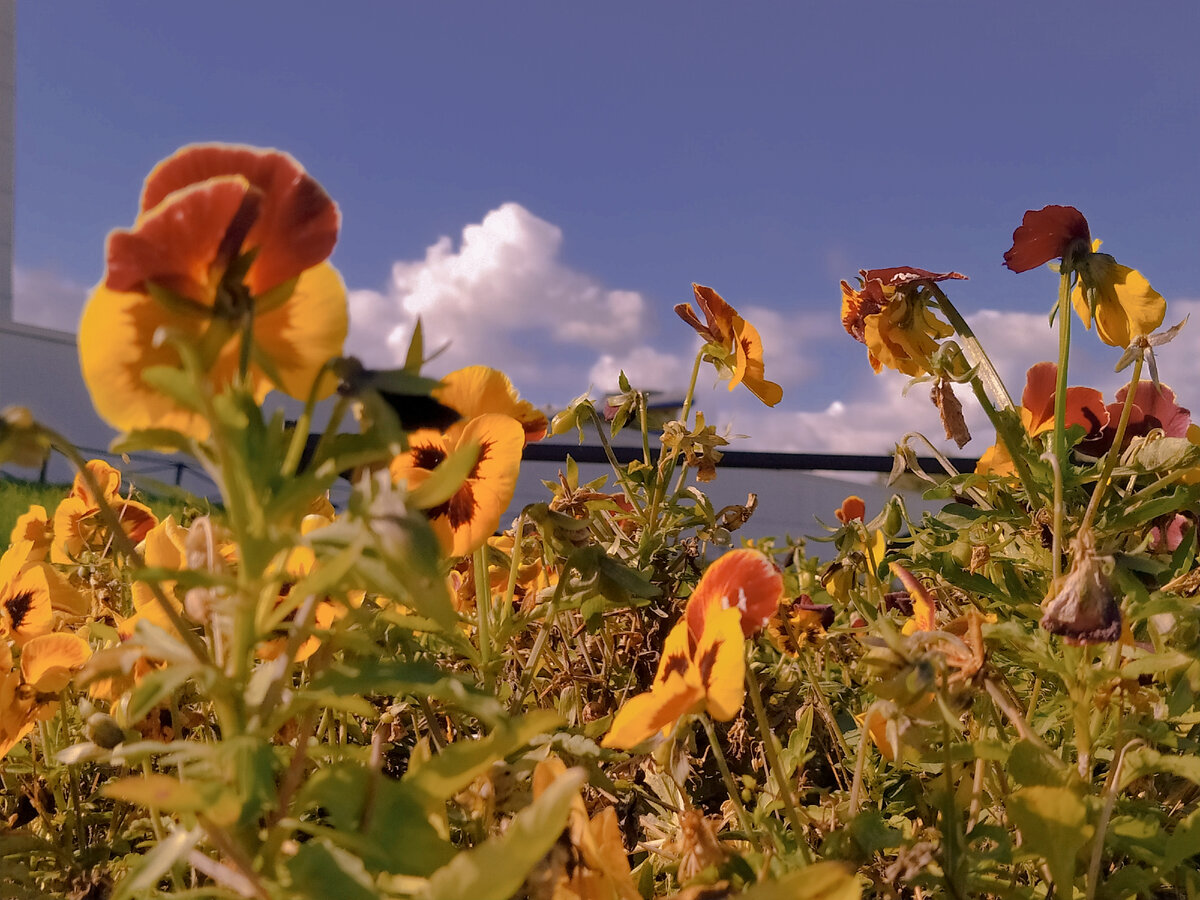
46,298
502,298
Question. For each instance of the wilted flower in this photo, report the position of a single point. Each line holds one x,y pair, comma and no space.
1082,606
739,340
889,313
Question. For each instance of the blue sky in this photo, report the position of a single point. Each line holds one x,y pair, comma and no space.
607,157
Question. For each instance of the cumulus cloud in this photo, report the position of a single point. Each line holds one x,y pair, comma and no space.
501,297
48,299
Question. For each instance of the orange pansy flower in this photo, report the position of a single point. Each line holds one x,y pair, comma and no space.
36,526
723,327
702,665
229,240
30,693
468,518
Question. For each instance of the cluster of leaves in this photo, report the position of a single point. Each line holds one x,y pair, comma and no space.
278,699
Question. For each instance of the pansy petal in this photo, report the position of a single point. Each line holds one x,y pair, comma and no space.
475,390
473,513
676,658
48,662
745,580
749,368
1041,383
176,244
116,343
924,607
651,713
717,313
300,335
902,275
1045,234
721,664
297,225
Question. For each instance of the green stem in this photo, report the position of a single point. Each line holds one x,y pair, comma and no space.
735,794
483,602
1064,353
1114,452
300,435
773,760
975,352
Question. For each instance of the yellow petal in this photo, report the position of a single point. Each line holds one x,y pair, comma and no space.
475,390
47,662
720,662
305,331
652,713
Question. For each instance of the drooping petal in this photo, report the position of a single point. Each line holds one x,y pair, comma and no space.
297,225
924,607
748,368
1126,306
653,712
746,580
1045,234
475,390
718,314
304,332
904,275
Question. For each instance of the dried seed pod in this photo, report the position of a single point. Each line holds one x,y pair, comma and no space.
1082,606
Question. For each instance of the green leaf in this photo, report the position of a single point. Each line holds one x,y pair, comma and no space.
1053,822
155,864
389,676
462,762
176,384
399,837
320,870
495,870
1142,761
1029,765
820,881
1183,843
415,358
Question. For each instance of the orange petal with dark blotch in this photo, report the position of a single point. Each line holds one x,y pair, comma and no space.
653,712
298,224
721,664
1045,234
746,580
902,275
676,658
176,244
475,390
1085,407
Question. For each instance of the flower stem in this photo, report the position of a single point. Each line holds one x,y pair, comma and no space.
1064,353
772,750
730,785
1114,452
975,352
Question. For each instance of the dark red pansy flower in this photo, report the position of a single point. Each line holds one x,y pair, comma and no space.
902,275
1045,234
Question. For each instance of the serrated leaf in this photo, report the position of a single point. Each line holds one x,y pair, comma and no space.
1142,761
496,869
